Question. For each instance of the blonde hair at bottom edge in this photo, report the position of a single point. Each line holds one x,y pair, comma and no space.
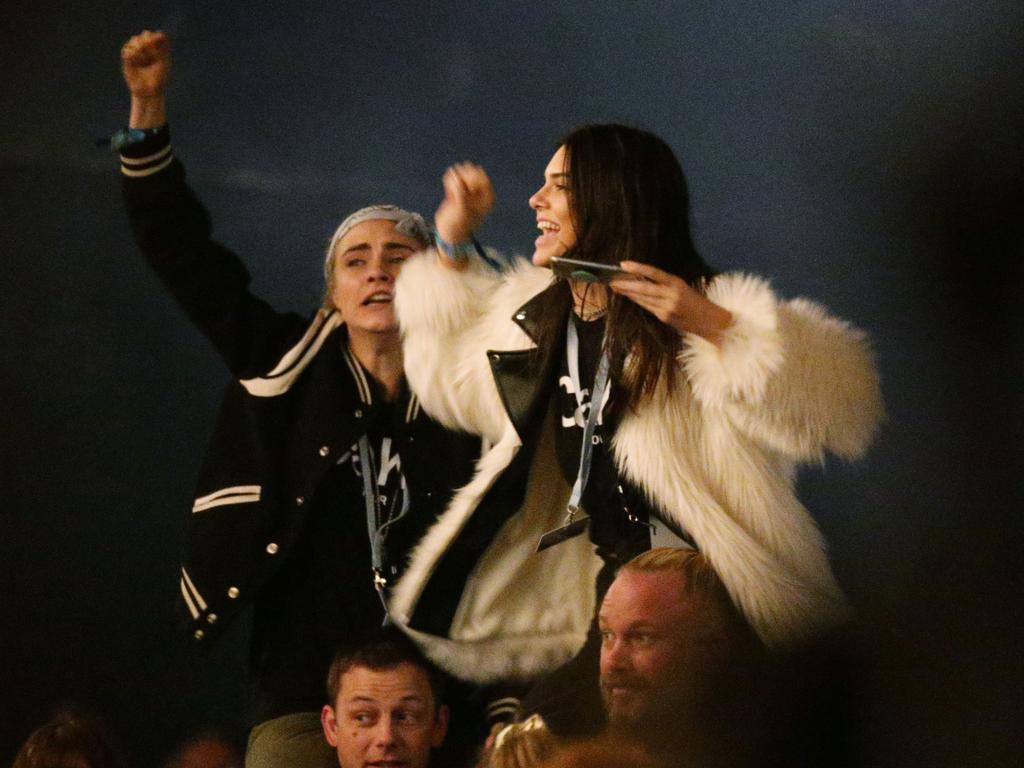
521,745
530,744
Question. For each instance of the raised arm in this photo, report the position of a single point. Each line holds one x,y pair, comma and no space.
675,303
146,66
788,373
172,228
468,199
442,302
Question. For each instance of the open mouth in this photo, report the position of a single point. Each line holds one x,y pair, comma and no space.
380,297
620,690
548,231
621,687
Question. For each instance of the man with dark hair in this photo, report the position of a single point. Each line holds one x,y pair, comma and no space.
384,705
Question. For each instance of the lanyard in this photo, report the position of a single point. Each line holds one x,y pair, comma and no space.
598,396
374,525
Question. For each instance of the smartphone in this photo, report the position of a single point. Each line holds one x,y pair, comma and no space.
585,271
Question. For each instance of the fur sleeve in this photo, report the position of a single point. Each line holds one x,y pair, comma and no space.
787,373
440,312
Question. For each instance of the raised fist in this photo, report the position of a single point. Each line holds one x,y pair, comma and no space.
468,198
146,63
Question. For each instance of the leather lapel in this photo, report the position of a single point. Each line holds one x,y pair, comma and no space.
522,375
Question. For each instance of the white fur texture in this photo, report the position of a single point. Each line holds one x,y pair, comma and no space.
751,349
717,454
522,612
447,328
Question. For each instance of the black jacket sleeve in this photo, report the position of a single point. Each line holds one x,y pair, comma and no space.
172,228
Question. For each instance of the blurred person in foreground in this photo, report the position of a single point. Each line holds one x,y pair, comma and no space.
70,740
208,749
520,745
604,752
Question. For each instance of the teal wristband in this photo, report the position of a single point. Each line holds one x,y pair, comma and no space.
458,252
129,137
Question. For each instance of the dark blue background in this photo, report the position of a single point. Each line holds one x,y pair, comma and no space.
868,154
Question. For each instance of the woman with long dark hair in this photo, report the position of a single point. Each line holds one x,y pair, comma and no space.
671,405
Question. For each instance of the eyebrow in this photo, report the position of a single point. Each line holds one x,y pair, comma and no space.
643,626
638,625
559,175
366,246
408,697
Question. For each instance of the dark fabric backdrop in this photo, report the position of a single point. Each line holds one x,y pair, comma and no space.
867,154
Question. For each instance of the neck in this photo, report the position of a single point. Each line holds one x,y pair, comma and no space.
381,355
589,300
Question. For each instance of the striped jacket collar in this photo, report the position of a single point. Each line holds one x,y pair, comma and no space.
282,376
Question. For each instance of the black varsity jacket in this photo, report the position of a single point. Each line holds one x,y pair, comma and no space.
298,400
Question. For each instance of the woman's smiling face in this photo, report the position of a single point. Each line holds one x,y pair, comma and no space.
553,208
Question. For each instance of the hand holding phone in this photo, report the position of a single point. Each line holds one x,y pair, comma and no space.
585,271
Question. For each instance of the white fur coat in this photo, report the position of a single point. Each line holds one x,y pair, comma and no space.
716,454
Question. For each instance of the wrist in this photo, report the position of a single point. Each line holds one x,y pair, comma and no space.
712,322
453,233
458,251
148,111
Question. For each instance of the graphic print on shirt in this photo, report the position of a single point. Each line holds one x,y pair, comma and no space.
388,467
388,500
577,419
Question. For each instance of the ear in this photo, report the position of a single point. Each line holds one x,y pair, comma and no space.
440,726
330,725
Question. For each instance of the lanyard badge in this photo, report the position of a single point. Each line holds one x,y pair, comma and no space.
575,523
377,521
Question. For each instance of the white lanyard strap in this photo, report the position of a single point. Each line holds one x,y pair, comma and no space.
598,395
376,528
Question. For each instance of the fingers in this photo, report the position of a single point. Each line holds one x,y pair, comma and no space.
468,185
673,301
474,182
649,296
145,48
457,174
673,290
659,304
454,187
468,199
652,304
647,271
161,45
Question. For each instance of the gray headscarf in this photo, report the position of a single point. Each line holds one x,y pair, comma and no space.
406,222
